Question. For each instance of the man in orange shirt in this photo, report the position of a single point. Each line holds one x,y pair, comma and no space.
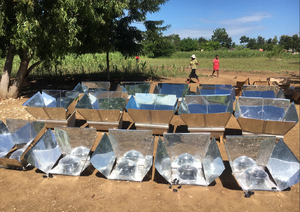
215,66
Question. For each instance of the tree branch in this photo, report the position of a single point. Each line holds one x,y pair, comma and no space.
32,67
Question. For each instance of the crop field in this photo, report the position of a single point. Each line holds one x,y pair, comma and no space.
175,66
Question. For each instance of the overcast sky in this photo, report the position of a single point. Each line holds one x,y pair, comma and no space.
196,18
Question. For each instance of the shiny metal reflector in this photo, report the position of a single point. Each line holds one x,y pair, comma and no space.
15,137
134,87
180,90
103,110
131,149
188,158
259,163
68,147
93,86
266,115
81,88
206,113
222,89
54,107
152,111
264,91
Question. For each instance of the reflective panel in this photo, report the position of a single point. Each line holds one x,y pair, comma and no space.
52,99
135,87
190,158
262,108
84,102
266,109
35,101
104,157
163,161
250,156
206,104
133,150
258,148
211,89
73,144
213,164
110,100
180,90
152,102
44,153
81,88
93,86
17,132
284,166
59,98
264,91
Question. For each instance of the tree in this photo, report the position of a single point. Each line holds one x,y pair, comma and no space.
201,40
269,41
260,41
275,40
251,44
109,22
244,39
37,31
188,44
210,45
285,41
175,41
222,37
44,31
155,43
295,42
233,45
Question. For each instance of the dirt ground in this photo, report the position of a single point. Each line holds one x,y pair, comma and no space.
29,191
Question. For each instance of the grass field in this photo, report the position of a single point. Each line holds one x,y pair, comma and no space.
95,64
245,64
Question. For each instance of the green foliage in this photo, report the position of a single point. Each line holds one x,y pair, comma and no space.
245,53
202,40
244,39
286,41
210,46
175,41
188,44
251,44
290,42
276,52
156,45
46,29
161,48
222,37
260,40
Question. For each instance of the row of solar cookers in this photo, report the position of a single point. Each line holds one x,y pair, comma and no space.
257,162
260,109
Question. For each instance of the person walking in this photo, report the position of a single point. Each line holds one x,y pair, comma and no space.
215,66
193,64
137,58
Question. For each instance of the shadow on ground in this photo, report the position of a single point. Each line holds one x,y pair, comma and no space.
68,82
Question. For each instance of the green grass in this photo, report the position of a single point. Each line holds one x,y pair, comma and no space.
92,66
234,64
246,53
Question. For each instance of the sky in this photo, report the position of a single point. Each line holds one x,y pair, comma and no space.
253,18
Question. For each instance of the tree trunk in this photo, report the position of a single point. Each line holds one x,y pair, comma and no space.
6,72
17,85
107,64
